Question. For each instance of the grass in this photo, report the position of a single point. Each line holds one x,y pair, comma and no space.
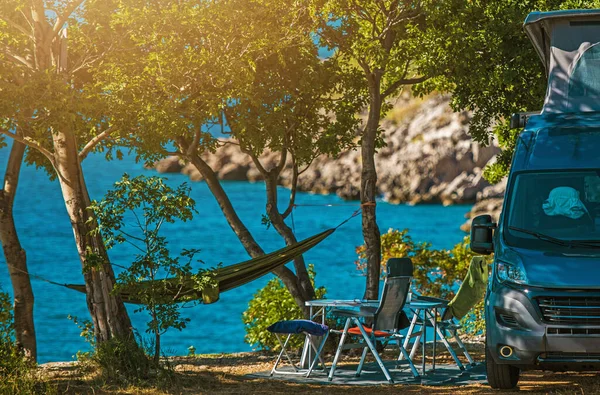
225,374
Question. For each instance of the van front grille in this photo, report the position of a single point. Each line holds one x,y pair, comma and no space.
570,310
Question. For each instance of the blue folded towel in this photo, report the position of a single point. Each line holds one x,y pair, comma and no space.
299,326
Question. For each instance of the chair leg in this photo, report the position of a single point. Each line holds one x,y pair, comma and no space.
411,365
283,351
339,349
462,347
318,355
362,361
374,351
450,349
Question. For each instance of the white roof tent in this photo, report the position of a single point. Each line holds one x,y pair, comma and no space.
568,42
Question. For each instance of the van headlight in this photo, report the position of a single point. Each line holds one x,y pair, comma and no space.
512,272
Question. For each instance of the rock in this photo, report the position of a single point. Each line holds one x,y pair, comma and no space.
171,164
233,172
492,206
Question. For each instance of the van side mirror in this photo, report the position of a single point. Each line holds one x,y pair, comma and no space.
481,234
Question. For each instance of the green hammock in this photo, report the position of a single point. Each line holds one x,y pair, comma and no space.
226,278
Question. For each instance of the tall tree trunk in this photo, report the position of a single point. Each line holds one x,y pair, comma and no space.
288,235
368,191
248,242
108,312
15,256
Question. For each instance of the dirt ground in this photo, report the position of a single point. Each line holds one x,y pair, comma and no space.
225,374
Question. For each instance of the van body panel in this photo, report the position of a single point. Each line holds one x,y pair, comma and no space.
554,270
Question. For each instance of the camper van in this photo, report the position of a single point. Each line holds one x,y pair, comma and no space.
542,306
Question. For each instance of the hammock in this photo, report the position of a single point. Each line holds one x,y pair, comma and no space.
226,278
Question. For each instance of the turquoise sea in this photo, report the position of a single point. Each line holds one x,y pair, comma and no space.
46,235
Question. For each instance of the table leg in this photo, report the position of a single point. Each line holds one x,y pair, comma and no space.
424,337
434,336
411,329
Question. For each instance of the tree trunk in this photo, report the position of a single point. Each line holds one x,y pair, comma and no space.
288,235
15,256
368,192
250,245
108,312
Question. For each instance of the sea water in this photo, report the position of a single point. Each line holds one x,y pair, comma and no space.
46,235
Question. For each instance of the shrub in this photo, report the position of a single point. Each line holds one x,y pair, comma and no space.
133,212
271,304
18,374
437,273
123,362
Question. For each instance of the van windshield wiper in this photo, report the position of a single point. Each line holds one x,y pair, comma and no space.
566,243
541,236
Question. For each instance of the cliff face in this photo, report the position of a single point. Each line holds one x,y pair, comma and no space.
429,158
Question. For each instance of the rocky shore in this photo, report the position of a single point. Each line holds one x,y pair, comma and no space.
429,158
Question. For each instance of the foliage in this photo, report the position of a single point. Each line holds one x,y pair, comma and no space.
271,304
134,212
436,272
44,90
430,265
124,362
477,50
187,69
17,373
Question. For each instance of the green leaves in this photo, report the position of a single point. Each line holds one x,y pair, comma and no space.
271,304
477,50
134,212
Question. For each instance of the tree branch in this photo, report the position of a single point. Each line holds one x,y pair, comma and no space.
30,143
255,160
60,21
17,59
283,158
17,26
410,81
11,176
293,189
94,142
194,145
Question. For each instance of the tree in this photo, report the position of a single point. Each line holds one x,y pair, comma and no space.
134,213
194,64
477,50
375,40
15,256
50,105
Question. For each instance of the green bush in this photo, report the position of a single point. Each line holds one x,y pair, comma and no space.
18,374
437,273
271,304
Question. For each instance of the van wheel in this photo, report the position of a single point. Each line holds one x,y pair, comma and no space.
500,376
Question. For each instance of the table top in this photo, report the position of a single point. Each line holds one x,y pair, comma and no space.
415,303
342,302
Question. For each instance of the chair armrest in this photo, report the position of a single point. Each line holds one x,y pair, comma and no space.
352,313
432,299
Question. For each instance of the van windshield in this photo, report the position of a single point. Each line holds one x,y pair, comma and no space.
554,210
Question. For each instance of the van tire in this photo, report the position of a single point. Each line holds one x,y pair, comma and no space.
500,376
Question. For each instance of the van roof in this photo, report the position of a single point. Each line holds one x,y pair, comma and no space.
559,142
538,26
568,42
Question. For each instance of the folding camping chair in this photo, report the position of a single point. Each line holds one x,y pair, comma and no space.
471,291
385,324
310,329
446,329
